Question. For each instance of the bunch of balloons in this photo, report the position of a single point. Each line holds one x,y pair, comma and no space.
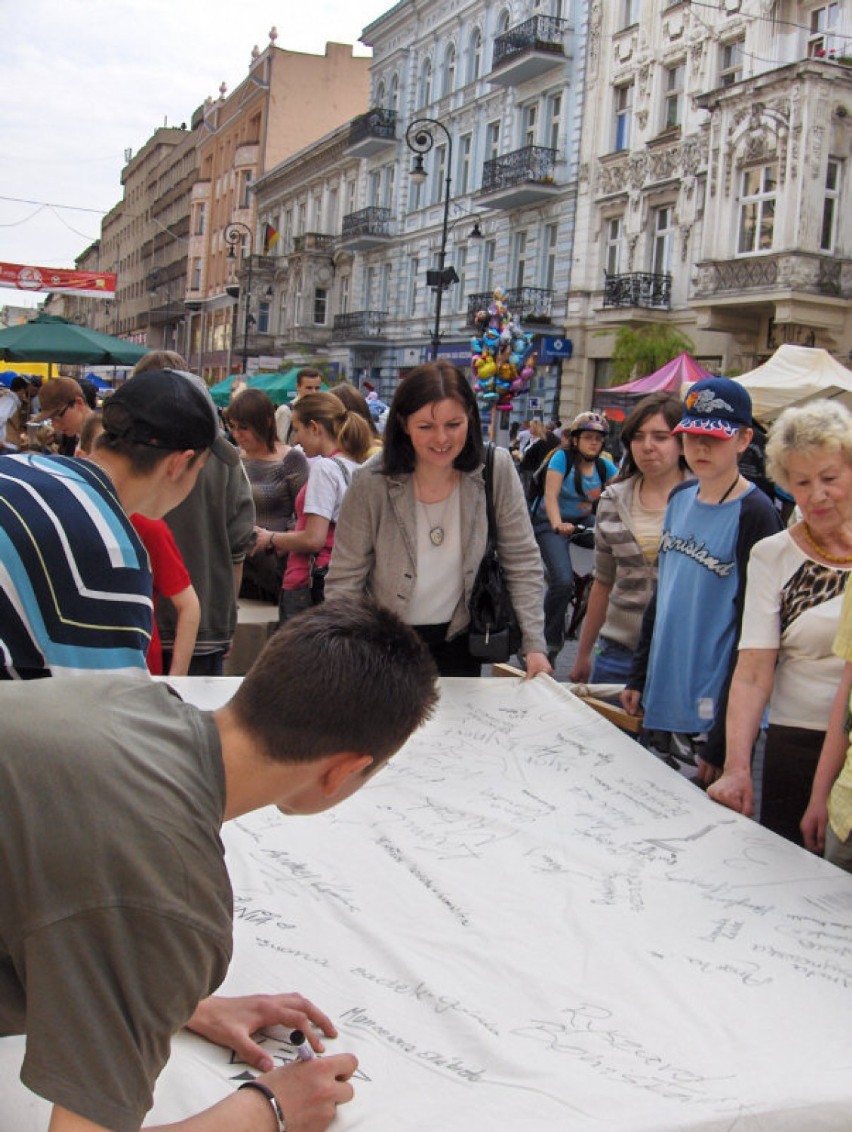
502,357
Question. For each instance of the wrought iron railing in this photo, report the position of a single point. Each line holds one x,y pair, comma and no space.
528,304
540,33
367,222
638,289
376,123
360,324
532,163
313,241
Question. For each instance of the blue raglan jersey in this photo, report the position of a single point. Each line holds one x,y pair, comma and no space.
704,552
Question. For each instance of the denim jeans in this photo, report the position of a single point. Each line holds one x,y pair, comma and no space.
556,555
611,664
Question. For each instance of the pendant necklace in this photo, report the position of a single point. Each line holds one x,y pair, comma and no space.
436,529
842,560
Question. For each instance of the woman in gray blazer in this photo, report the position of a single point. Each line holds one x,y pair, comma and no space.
412,527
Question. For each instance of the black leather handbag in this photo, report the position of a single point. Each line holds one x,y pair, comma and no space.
494,634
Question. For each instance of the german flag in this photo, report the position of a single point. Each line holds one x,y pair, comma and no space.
270,238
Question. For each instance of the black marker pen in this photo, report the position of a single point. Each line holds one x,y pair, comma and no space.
300,1042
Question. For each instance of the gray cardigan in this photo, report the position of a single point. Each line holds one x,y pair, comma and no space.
375,543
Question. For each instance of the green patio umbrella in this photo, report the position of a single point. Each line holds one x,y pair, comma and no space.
47,338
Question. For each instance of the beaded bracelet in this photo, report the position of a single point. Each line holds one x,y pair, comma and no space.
273,1100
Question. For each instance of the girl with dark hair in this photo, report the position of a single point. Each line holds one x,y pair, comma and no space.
413,527
276,473
627,535
336,441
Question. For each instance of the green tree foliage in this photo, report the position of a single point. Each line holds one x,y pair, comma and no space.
645,349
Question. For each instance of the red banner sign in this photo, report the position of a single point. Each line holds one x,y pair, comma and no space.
97,283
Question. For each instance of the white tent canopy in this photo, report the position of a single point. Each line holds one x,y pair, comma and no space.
795,374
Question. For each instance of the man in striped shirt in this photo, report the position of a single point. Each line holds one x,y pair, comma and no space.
75,582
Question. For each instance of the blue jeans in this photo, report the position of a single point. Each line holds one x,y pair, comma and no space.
611,664
556,555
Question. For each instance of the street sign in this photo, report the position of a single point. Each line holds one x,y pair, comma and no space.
557,348
534,403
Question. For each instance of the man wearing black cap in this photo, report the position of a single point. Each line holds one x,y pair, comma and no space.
75,584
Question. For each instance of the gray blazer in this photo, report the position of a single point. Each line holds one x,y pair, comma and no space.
375,543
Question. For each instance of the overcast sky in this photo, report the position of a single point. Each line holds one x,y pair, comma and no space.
83,80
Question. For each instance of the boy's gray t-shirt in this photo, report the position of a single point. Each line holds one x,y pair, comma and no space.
115,903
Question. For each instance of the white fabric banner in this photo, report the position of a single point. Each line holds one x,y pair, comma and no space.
527,921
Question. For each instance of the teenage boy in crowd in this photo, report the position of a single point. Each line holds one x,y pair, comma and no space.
75,585
116,917
682,668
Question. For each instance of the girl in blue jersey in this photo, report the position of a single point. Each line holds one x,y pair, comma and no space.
682,668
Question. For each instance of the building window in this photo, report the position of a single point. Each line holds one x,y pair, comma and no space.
380,94
673,96
374,185
393,94
661,252
320,305
263,317
463,175
623,116
822,40
450,70
830,207
504,22
630,12
474,58
245,195
200,219
492,141
757,209
195,282
461,271
489,253
612,249
345,284
388,185
731,63
440,174
521,258
413,272
554,120
551,232
529,116
426,82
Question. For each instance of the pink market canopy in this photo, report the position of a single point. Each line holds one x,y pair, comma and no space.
671,378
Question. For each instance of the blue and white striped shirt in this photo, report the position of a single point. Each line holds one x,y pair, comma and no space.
75,581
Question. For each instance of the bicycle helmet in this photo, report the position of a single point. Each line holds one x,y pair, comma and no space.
590,421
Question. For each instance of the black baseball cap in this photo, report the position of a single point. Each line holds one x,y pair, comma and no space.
161,409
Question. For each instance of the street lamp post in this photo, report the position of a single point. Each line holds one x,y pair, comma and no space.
420,138
234,234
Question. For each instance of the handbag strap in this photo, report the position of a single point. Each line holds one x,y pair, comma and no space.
488,476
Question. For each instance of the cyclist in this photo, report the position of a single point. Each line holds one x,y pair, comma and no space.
575,477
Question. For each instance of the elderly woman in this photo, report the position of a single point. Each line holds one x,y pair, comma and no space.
792,608
276,473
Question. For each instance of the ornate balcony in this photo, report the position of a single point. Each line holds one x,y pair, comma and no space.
638,289
313,242
532,305
528,50
517,179
372,132
359,326
804,272
368,228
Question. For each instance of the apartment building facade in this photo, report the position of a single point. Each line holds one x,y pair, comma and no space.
497,92
714,181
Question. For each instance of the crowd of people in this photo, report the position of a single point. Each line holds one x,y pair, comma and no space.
126,552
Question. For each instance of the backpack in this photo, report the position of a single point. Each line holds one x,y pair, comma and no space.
535,490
